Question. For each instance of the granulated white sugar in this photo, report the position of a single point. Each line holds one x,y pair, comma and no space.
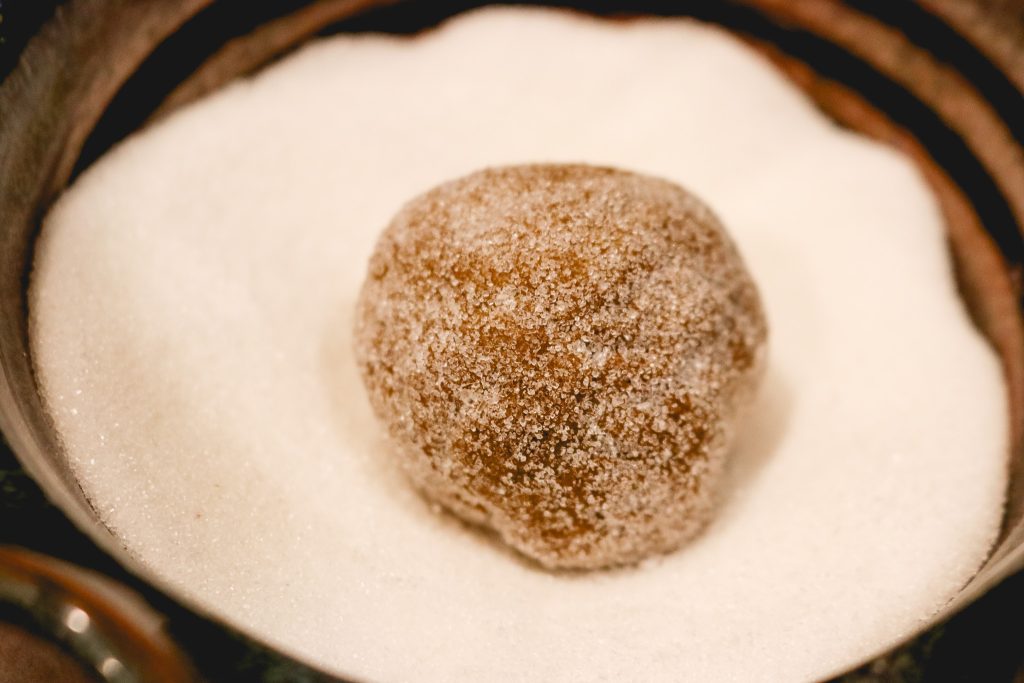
192,305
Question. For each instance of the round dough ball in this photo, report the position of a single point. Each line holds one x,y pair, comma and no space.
558,353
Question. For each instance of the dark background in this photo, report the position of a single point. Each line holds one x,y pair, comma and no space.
19,20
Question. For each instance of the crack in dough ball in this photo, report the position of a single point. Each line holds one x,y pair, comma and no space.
558,353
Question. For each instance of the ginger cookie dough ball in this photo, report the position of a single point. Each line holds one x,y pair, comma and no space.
558,353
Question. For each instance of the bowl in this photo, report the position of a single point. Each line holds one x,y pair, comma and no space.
941,80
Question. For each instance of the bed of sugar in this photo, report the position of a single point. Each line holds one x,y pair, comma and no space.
191,310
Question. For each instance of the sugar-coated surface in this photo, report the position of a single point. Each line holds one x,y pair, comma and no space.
560,352
191,316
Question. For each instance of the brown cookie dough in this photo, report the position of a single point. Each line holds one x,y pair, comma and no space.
559,353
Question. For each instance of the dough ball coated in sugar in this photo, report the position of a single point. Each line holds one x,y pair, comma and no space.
559,353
